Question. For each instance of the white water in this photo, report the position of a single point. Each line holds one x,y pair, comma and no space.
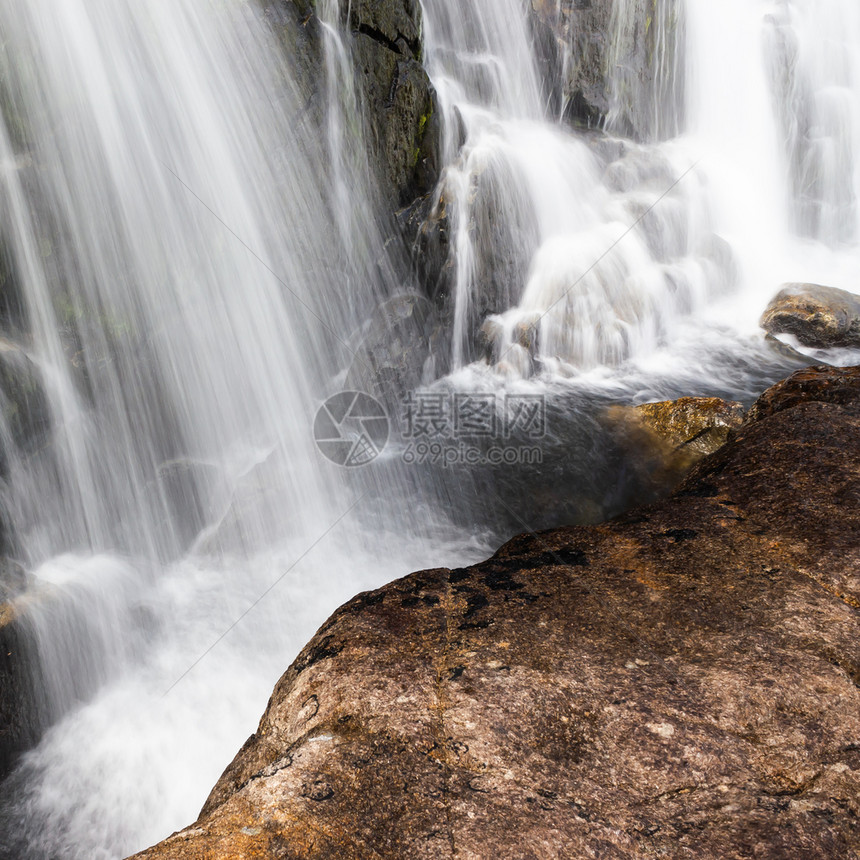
619,246
170,221
204,260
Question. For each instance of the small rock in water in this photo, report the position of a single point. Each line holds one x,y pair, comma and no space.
816,315
666,439
527,331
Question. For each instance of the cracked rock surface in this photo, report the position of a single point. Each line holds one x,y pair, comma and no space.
683,682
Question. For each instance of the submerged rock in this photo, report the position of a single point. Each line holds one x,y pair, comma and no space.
817,316
680,682
696,424
664,440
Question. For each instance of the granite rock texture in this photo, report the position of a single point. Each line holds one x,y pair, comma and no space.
681,682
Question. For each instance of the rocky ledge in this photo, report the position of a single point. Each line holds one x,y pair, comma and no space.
681,682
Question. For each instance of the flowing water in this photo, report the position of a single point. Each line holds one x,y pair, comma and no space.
196,266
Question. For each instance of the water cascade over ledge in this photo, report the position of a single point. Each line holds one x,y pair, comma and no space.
193,262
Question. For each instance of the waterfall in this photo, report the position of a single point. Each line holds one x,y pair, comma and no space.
191,261
727,133
186,307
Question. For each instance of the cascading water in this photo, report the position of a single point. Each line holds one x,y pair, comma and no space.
578,252
187,307
195,265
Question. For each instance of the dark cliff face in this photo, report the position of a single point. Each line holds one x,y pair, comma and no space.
20,720
683,681
401,126
613,63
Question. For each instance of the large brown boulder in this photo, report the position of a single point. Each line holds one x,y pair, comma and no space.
681,682
817,316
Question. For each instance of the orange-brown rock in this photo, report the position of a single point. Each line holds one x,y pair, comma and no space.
664,440
817,316
683,682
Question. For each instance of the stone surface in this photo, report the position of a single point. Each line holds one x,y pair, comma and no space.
817,316
401,124
816,384
699,424
663,441
681,682
23,402
395,349
19,723
616,60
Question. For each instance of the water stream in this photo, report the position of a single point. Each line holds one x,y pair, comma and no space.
197,266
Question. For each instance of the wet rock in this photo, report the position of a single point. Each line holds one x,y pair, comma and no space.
817,316
402,125
402,122
428,222
663,441
298,30
816,384
697,424
11,301
20,726
13,579
619,60
193,494
679,682
490,338
23,403
527,333
395,349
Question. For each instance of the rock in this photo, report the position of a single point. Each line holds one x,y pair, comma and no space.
663,441
395,349
697,424
816,384
13,580
12,314
298,30
402,126
23,402
20,725
817,316
681,682
527,333
620,61
549,54
427,224
490,339
193,494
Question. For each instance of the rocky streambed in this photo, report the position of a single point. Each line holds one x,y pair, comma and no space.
683,681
